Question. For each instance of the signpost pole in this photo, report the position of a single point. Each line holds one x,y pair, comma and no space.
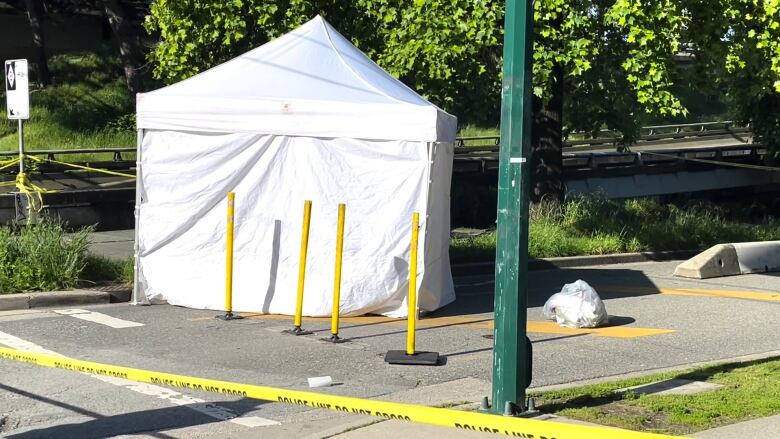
511,361
21,146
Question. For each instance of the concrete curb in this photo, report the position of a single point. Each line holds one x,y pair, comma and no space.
474,268
9,302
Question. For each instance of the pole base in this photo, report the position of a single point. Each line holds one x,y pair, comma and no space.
484,405
334,338
229,316
416,359
297,331
515,410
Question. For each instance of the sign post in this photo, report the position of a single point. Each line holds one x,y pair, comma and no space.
511,356
17,96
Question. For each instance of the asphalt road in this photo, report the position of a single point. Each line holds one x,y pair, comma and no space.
658,322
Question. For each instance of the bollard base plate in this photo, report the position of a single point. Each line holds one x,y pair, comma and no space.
297,331
335,339
417,359
228,316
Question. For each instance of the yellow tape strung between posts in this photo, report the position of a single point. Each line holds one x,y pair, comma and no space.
86,168
8,164
488,423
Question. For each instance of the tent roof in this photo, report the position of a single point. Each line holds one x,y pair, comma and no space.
309,82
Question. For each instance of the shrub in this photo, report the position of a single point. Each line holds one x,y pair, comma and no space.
41,257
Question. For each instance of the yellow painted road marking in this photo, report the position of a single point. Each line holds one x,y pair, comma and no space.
540,327
609,331
747,295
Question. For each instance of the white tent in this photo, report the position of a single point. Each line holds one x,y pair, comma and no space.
305,117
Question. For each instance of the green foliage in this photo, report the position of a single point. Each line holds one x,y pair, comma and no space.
86,106
616,54
41,257
99,268
449,51
736,44
594,225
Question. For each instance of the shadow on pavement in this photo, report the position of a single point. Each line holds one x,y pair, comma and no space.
148,422
488,349
475,293
618,321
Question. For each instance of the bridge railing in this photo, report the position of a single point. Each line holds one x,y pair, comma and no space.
52,154
609,138
480,145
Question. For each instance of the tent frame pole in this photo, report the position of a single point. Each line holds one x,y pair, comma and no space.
431,150
137,212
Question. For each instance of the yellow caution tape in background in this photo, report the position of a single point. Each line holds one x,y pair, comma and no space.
82,167
475,421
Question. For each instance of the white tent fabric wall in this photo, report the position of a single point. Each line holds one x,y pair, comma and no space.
307,116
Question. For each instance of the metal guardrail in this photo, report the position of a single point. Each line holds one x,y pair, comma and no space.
611,161
52,153
483,148
609,137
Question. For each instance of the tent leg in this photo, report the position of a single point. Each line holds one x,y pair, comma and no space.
136,299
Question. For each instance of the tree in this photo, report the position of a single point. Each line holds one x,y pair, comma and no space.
612,61
452,65
123,32
601,63
737,42
35,14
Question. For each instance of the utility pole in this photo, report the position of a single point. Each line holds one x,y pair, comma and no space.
511,356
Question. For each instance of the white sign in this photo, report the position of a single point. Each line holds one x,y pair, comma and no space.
16,91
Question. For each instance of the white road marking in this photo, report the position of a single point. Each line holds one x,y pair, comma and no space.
170,395
97,317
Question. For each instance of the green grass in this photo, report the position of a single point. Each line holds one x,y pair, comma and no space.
41,257
594,226
750,390
87,106
477,131
46,257
102,269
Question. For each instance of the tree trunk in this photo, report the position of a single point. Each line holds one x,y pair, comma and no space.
123,33
35,15
547,144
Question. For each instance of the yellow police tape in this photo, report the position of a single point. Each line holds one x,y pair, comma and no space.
82,167
483,422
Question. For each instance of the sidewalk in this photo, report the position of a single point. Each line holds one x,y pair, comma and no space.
758,428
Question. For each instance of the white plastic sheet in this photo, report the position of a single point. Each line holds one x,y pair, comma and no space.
182,221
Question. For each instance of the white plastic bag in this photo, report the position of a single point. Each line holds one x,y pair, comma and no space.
576,306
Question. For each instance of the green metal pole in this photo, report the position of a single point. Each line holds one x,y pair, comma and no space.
510,356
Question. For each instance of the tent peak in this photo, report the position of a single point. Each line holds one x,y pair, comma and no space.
312,70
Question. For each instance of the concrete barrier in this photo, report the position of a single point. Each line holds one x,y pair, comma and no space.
758,257
732,259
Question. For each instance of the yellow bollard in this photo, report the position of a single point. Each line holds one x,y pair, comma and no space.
231,197
412,356
334,320
411,325
302,271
